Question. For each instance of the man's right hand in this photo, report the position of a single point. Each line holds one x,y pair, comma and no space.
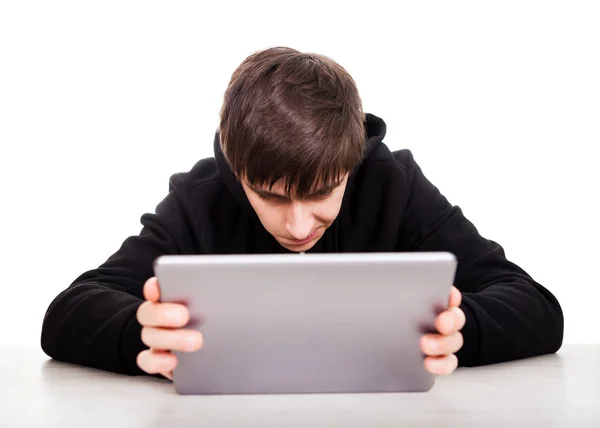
162,332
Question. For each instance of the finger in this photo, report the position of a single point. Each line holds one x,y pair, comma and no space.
153,362
441,365
450,321
455,298
152,314
185,340
435,345
151,290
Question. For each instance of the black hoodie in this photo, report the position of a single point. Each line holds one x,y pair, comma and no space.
388,205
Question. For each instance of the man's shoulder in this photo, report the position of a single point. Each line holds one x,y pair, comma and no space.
203,176
403,158
382,158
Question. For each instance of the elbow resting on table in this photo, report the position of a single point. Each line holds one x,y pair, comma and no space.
548,324
51,333
556,333
510,321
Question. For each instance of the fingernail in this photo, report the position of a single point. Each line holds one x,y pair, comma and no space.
450,322
438,366
164,363
190,342
174,316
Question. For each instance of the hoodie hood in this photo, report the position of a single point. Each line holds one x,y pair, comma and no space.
376,129
375,132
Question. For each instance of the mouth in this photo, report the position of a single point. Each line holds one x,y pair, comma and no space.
304,241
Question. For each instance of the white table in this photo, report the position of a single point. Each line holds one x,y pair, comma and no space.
559,390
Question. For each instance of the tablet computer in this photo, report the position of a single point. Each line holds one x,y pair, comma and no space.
307,323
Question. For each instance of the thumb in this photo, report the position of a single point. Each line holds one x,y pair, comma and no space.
151,290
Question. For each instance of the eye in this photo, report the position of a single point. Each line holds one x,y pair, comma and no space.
271,198
322,195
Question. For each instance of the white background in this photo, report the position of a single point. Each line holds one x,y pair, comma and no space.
100,102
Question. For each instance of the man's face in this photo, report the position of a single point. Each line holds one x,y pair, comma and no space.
297,224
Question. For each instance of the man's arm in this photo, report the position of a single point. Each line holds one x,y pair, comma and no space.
93,322
508,314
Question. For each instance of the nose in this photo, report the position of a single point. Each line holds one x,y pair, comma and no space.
299,222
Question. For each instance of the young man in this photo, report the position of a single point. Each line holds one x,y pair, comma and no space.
299,167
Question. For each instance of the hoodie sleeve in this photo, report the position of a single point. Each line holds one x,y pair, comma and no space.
93,322
509,315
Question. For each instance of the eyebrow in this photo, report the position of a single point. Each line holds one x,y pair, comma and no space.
321,190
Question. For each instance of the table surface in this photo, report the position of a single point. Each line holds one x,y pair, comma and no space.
559,390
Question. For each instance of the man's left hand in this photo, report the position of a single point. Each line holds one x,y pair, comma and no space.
439,349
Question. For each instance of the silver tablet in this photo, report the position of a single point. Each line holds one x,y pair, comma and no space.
307,323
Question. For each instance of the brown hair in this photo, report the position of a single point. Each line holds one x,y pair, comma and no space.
292,116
